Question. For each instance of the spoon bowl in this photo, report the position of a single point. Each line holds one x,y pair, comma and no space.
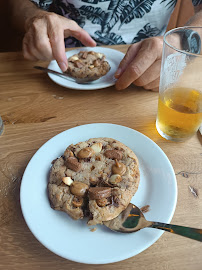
132,220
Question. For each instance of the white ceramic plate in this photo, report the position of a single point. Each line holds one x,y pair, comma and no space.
73,240
113,57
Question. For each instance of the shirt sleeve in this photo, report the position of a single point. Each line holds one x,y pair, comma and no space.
43,4
196,2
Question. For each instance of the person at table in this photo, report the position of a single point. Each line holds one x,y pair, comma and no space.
46,23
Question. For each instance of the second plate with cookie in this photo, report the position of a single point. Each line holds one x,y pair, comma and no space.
113,57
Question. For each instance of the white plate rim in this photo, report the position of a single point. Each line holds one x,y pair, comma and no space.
101,261
97,85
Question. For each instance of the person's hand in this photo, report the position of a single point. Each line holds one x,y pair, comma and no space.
141,65
44,37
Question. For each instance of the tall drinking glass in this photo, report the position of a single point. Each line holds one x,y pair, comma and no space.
180,91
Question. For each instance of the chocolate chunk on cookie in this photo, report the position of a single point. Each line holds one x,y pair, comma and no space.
87,65
96,178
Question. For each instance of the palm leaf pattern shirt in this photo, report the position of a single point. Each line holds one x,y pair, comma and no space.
113,22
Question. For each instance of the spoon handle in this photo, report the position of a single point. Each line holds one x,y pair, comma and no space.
192,233
51,71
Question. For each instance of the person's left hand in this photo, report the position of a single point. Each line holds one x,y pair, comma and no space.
141,65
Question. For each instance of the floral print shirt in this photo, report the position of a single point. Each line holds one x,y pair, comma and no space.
113,22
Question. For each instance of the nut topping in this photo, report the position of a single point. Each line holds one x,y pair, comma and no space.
102,202
68,153
73,58
114,154
91,66
97,147
77,201
115,179
78,188
96,62
118,168
93,180
96,193
86,152
67,180
73,164
78,64
85,54
100,55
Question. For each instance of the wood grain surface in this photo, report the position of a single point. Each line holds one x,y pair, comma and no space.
34,109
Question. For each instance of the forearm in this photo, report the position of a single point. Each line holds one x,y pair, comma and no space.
21,11
196,20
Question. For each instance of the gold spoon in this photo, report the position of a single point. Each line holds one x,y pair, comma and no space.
132,220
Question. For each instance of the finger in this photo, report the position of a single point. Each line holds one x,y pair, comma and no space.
41,42
128,58
71,28
58,28
153,85
155,89
26,51
147,55
43,49
56,37
151,74
31,45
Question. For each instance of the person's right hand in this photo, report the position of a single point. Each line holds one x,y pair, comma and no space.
44,37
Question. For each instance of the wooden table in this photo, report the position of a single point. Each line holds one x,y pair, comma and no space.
34,109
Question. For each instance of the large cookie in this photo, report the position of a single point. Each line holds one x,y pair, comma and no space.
87,65
96,178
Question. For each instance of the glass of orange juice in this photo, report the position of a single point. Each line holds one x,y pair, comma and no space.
180,90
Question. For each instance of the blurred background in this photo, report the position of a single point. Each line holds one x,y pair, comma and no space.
11,40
